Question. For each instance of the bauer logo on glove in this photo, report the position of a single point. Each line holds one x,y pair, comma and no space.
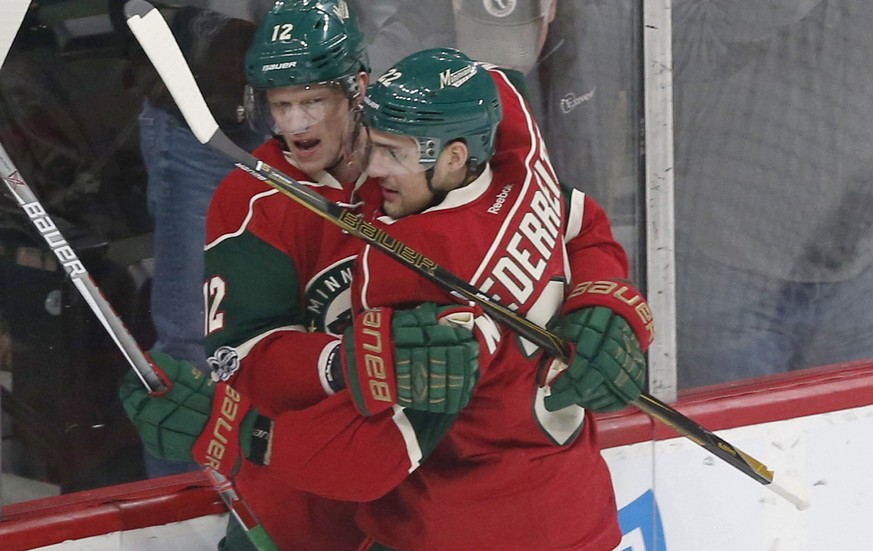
194,419
426,358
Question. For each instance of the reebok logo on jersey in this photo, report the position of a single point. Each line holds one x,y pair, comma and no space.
500,199
456,78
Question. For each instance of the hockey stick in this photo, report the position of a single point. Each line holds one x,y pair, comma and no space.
116,329
159,44
11,15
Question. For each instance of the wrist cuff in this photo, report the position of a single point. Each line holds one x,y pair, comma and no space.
368,361
330,371
261,441
619,296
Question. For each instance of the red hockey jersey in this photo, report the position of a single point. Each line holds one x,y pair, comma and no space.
276,272
508,474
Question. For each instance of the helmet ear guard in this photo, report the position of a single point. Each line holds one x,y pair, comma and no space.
258,113
437,96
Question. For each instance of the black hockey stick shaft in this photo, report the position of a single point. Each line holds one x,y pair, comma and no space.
159,44
115,327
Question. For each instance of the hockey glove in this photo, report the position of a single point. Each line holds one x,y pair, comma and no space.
426,358
193,419
608,369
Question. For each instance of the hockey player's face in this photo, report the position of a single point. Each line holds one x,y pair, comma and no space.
314,122
407,187
394,159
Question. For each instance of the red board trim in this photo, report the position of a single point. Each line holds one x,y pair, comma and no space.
78,515
161,501
752,402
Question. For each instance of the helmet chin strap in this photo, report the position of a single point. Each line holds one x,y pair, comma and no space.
336,162
345,151
439,195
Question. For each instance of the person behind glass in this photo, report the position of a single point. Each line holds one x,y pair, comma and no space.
183,174
510,35
397,28
774,157
579,66
507,34
588,75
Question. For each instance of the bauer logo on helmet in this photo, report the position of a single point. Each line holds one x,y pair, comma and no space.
279,66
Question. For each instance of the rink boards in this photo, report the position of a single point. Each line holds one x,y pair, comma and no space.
813,430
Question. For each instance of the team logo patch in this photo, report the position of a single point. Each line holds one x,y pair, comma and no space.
328,299
224,363
499,8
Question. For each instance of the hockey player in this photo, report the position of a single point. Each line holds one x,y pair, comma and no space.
510,473
277,275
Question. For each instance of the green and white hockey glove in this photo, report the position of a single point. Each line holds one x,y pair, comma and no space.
607,370
194,419
427,358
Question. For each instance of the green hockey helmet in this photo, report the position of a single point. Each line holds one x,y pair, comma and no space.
303,43
437,96
306,42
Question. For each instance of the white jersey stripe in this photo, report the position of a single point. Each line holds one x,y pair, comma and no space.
245,221
364,259
529,174
413,451
576,215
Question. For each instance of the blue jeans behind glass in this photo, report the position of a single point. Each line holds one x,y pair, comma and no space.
735,324
182,175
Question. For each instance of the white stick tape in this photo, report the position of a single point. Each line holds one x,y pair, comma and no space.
794,495
160,45
11,15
